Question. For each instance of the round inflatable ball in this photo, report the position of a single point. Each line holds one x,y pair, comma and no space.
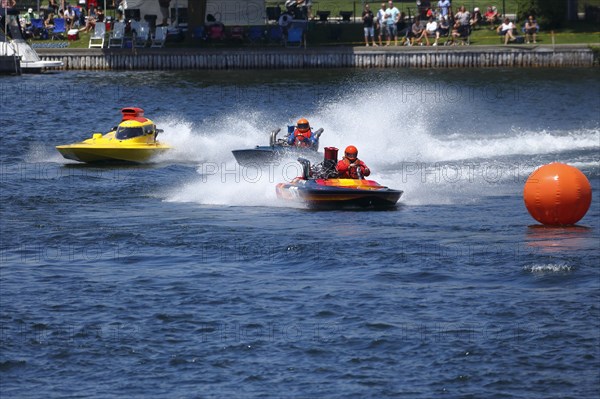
557,194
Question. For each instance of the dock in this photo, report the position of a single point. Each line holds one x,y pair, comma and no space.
512,56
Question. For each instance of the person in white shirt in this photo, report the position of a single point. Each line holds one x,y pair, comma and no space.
430,30
381,23
506,30
392,15
69,18
444,5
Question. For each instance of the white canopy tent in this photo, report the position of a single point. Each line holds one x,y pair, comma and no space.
237,12
229,12
151,7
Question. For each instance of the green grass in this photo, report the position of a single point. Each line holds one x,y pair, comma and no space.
351,34
335,6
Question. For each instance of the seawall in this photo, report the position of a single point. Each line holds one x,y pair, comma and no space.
547,56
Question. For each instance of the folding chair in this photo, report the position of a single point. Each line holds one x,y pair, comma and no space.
160,36
59,29
275,34
256,34
199,33
237,33
142,33
465,35
37,28
117,35
295,37
216,32
97,38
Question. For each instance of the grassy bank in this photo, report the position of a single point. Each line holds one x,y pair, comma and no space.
409,6
332,34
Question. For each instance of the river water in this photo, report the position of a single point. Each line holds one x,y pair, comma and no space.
188,278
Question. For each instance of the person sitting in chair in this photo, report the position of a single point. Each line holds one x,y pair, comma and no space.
69,18
302,136
491,16
531,28
90,22
506,30
476,18
350,167
300,9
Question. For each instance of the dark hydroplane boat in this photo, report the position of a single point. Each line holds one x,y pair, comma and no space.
279,149
319,186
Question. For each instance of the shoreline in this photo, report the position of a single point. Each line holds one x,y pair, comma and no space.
515,56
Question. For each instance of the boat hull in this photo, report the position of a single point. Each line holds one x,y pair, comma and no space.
338,193
273,154
91,154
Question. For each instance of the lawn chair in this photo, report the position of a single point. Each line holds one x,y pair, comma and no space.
256,34
216,32
160,36
237,33
142,33
295,37
275,34
117,35
464,36
97,38
37,28
59,30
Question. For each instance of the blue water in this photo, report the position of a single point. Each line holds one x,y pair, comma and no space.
188,278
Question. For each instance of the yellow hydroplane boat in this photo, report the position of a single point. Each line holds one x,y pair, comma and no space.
134,140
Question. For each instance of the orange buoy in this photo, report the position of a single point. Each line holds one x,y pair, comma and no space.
557,194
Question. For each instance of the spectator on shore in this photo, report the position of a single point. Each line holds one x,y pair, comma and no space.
476,18
92,3
4,4
52,6
164,10
392,14
506,29
90,22
300,9
417,32
27,17
99,14
403,28
422,6
491,17
49,21
463,16
531,29
461,25
443,6
442,30
69,18
368,18
381,23
431,30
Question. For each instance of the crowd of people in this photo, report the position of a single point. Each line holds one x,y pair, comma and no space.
82,14
432,23
77,14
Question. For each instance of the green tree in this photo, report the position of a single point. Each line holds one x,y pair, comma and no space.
550,14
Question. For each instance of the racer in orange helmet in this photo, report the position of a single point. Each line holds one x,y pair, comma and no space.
302,136
350,167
